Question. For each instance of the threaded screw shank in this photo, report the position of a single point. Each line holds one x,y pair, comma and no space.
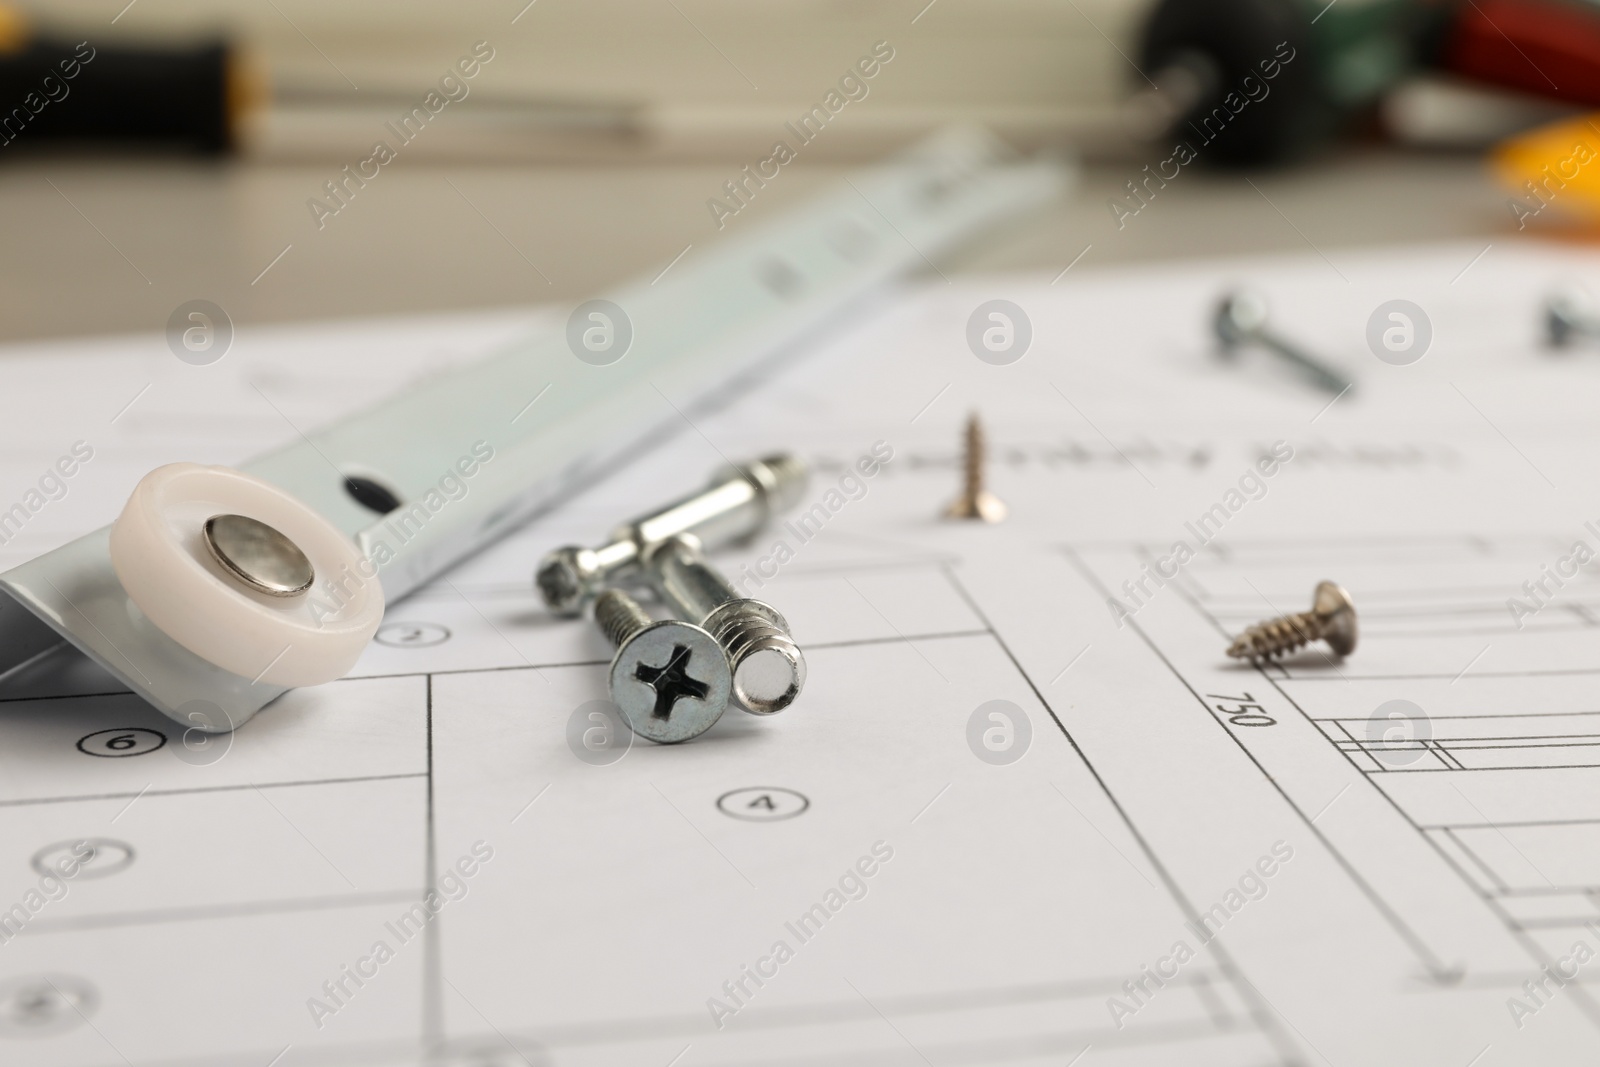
1276,637
619,616
974,457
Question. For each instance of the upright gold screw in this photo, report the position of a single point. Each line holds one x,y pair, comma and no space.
975,502
1332,618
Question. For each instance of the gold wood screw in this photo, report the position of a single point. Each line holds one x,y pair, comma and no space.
975,502
1332,618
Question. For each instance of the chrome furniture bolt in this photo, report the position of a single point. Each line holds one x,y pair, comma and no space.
1241,319
738,502
975,501
1332,618
670,679
1569,314
768,669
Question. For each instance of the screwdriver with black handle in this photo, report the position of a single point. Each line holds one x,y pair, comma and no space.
56,90
1248,82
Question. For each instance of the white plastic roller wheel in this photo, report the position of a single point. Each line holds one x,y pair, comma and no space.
159,552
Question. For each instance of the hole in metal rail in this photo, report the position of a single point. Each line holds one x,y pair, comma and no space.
374,496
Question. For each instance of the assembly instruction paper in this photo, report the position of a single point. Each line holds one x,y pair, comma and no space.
1026,810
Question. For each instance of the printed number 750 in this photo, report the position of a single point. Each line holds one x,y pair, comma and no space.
1242,710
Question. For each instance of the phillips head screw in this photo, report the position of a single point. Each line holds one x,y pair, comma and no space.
1332,618
670,679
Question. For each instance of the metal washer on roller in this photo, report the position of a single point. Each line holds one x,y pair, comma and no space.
258,555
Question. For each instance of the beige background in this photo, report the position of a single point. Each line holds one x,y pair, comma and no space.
478,214
97,248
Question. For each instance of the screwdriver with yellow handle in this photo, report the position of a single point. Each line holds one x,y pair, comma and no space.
1555,166
56,90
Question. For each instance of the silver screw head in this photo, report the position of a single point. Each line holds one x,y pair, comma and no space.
258,556
1240,316
568,578
1333,606
1568,312
671,681
37,1005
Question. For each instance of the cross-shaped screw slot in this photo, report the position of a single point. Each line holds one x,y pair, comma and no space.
672,682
